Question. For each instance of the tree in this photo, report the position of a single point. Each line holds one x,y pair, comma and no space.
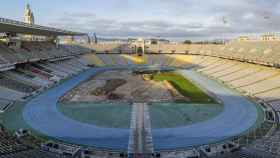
139,51
154,42
187,42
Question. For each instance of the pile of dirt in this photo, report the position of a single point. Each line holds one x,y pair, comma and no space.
123,86
115,96
109,87
177,96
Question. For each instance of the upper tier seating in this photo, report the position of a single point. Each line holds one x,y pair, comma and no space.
35,51
10,94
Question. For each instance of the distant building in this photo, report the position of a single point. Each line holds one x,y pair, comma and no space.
264,37
111,41
270,37
243,38
156,41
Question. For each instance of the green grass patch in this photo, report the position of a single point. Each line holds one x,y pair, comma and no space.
185,87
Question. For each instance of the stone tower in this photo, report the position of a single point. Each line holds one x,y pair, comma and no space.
28,18
28,15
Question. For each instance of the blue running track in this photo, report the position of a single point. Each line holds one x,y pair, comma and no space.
42,114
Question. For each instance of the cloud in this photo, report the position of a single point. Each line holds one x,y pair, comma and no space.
182,18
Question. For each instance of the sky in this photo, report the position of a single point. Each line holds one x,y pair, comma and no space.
186,19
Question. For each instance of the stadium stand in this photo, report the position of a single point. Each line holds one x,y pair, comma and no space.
193,153
33,153
10,94
250,67
16,85
240,65
10,144
21,82
275,104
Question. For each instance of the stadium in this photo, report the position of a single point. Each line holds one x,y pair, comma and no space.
135,99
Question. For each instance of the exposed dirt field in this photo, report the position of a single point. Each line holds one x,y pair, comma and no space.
122,86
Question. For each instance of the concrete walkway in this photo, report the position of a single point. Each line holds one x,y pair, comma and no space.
140,140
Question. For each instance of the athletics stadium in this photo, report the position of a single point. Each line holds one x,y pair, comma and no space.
69,94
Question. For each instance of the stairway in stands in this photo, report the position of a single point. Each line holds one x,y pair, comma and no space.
140,140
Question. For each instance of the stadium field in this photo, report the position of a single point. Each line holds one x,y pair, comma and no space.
110,115
182,114
106,125
185,87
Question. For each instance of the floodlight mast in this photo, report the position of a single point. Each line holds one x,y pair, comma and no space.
225,22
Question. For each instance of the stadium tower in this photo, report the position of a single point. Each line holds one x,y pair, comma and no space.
28,15
29,19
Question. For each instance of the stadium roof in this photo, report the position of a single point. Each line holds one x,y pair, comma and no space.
13,26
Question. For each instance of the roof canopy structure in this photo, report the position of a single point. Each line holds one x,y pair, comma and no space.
13,26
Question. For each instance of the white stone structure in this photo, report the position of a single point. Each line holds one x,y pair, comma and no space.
28,15
29,18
